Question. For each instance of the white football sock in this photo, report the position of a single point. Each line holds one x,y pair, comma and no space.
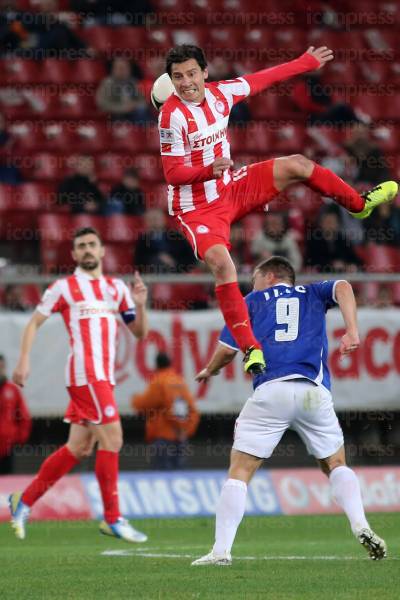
229,513
347,494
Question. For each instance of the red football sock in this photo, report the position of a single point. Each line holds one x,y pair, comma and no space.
327,183
107,476
54,467
236,315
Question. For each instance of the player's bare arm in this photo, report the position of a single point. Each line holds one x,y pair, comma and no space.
348,306
21,372
139,327
221,357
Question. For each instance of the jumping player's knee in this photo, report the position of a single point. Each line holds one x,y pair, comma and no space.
78,450
299,166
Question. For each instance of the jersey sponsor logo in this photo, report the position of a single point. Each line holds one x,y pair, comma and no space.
199,141
202,229
95,309
167,135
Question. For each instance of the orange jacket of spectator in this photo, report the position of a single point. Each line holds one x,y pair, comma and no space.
168,406
15,420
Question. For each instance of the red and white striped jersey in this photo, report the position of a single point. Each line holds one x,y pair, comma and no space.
89,307
198,133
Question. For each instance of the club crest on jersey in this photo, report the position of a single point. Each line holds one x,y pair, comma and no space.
219,106
109,411
202,229
113,292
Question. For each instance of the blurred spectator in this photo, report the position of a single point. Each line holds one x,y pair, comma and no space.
119,95
9,173
15,420
13,299
276,239
49,34
383,226
371,165
114,12
171,415
80,191
219,70
314,98
327,247
160,250
127,197
239,250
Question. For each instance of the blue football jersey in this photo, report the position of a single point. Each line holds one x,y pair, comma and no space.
289,322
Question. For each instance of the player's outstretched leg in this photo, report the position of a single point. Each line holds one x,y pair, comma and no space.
347,494
298,168
54,467
234,307
106,469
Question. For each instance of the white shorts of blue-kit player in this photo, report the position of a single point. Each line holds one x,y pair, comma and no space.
277,406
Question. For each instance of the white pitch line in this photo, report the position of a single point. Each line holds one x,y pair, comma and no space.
146,554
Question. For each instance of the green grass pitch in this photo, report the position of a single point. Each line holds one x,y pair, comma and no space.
277,558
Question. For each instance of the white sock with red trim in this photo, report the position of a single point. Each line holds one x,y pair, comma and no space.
229,513
347,494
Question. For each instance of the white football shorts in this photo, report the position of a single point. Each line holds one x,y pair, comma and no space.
277,406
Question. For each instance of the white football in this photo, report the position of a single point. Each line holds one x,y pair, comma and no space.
161,90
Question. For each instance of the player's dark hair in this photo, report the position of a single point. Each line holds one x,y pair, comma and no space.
279,266
85,231
162,360
182,53
2,358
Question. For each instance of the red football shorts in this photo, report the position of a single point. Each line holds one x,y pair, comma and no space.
92,403
250,189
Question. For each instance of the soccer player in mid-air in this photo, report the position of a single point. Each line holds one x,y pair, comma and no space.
206,196
293,392
88,303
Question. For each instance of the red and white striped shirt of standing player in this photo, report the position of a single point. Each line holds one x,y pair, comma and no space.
199,133
89,307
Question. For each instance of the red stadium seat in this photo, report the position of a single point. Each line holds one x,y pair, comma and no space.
156,195
111,167
19,70
195,35
125,138
87,70
33,197
158,39
387,137
6,192
28,135
381,258
340,73
118,259
84,220
223,37
122,228
290,40
99,38
257,38
288,139
55,228
376,71
44,166
149,167
91,137
31,295
75,103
